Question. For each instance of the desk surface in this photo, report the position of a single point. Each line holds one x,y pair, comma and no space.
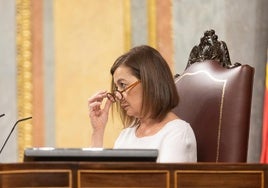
126,174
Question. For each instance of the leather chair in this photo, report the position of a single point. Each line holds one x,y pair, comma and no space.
215,98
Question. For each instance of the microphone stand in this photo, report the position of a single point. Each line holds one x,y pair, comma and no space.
23,119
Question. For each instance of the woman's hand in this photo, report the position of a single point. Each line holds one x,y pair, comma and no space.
98,116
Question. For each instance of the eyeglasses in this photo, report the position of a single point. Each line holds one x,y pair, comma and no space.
118,95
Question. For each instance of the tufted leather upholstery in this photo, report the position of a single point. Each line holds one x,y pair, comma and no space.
216,101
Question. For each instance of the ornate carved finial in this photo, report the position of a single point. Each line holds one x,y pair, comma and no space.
211,49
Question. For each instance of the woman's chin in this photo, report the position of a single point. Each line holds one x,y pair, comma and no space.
131,114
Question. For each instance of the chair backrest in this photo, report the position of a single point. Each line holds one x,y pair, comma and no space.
215,98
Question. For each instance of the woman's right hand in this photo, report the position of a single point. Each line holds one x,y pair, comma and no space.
98,114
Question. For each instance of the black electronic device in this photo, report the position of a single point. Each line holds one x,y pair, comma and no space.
90,154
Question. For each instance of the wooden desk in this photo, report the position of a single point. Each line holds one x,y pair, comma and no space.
89,174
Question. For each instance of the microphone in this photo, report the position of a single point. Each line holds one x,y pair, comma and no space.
20,120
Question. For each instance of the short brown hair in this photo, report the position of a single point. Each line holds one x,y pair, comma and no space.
159,91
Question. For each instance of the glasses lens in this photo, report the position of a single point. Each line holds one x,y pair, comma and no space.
111,97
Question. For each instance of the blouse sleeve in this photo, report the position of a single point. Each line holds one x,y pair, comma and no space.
179,145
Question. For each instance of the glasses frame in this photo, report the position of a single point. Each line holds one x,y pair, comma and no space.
113,96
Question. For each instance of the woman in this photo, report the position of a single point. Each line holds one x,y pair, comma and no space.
145,94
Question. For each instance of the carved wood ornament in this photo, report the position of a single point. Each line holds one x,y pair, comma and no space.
211,49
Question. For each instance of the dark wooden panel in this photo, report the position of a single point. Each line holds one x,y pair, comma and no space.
35,178
123,178
131,174
219,179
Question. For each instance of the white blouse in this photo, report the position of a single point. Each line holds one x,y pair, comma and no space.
175,142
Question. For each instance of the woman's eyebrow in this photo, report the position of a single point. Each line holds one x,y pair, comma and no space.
119,80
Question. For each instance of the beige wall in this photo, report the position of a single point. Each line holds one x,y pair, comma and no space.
89,36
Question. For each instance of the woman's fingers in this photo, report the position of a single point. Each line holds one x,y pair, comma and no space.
96,110
95,101
94,106
97,97
107,105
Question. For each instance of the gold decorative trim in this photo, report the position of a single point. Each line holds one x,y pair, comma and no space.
221,104
127,24
151,14
266,80
24,73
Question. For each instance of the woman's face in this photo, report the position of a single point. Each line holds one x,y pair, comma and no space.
132,97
